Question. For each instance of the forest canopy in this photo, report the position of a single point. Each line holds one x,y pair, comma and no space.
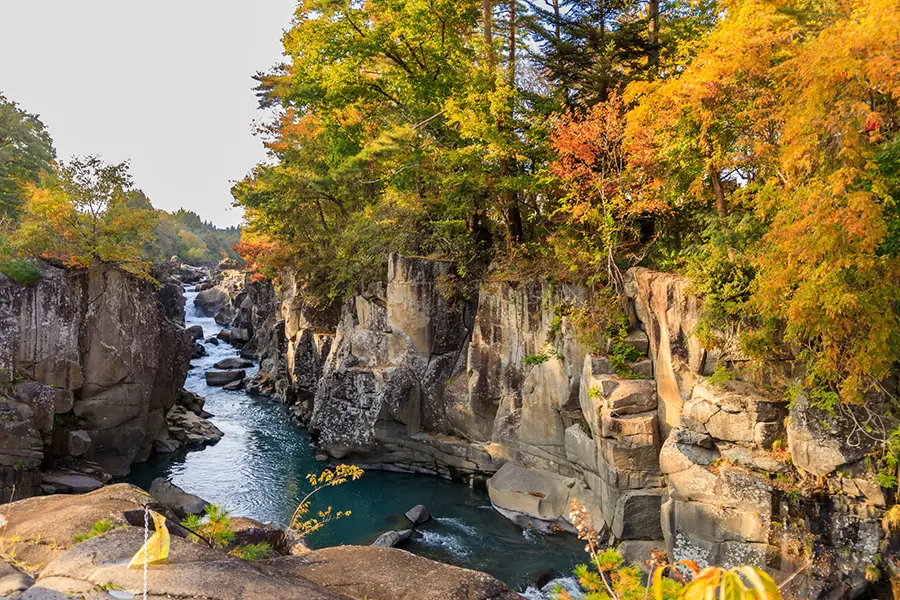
749,144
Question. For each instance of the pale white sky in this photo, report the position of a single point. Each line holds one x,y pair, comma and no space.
165,83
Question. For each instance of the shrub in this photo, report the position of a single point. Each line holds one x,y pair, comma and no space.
99,528
253,552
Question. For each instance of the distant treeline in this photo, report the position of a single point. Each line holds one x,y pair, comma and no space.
83,209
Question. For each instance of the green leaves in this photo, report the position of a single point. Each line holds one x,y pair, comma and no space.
26,152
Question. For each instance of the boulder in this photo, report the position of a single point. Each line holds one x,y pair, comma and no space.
47,525
68,483
378,573
176,499
198,351
233,362
219,378
733,411
234,386
78,442
192,401
213,341
13,581
522,495
196,331
190,429
418,514
211,301
191,571
821,442
389,539
240,335
224,335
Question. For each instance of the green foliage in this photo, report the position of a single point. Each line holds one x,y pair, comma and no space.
213,526
720,375
26,152
533,360
890,461
185,235
98,528
20,270
253,552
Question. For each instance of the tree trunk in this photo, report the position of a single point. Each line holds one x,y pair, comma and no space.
719,191
556,21
511,199
653,32
487,17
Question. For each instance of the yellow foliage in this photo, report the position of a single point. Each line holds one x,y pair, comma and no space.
301,523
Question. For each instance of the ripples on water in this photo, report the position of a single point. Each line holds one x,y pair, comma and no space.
259,470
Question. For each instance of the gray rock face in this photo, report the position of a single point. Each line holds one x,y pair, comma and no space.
410,380
821,442
13,581
105,354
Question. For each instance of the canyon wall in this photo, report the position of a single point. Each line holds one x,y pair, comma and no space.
497,390
90,365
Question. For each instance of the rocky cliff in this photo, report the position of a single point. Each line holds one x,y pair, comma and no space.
498,388
90,365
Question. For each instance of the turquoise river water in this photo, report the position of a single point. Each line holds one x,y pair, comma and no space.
258,470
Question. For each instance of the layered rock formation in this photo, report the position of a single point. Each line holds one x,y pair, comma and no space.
413,378
91,365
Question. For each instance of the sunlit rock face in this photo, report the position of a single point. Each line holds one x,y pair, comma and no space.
100,344
415,376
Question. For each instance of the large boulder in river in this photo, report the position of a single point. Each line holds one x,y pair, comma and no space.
531,496
101,340
219,378
211,301
418,514
233,362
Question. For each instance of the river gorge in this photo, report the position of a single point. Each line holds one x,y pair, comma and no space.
488,409
259,470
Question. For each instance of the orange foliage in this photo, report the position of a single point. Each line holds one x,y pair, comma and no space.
263,254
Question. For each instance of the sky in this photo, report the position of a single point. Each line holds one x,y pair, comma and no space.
166,84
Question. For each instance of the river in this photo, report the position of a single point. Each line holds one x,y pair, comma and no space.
259,470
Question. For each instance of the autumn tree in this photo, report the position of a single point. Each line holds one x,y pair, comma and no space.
81,213
26,152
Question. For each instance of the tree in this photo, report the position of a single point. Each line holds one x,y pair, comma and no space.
790,115
26,152
81,213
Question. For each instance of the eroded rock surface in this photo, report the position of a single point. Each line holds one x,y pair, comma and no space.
102,358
